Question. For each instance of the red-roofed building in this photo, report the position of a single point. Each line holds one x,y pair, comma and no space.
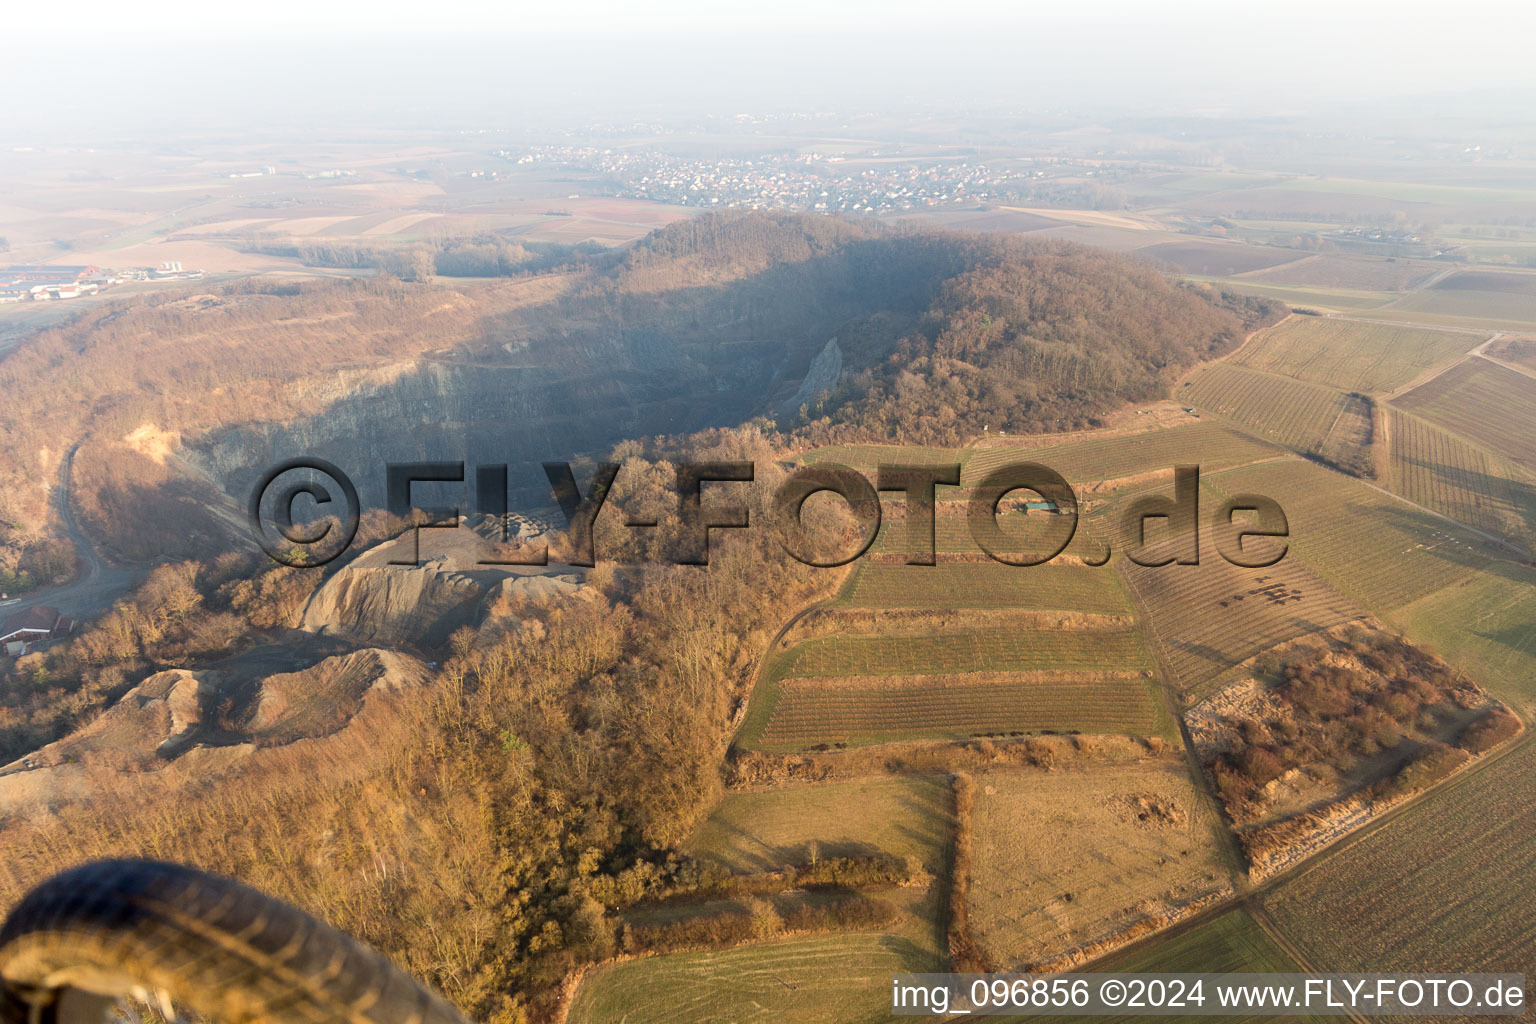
38,623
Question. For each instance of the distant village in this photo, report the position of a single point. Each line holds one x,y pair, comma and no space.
812,181
47,283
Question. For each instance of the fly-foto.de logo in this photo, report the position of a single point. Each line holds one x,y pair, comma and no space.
1157,529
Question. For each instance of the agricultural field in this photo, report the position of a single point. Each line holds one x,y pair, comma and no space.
1352,355
979,651
1490,297
867,457
1128,456
1218,259
1065,859
1443,886
1291,412
1349,444
1439,470
1490,405
1520,352
987,584
867,689
1209,618
860,711
827,979
1436,582
1287,201
998,218
899,815
1486,624
1233,943
1330,300
1379,274
1373,548
952,532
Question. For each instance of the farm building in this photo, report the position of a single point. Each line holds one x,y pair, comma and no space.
38,623
39,274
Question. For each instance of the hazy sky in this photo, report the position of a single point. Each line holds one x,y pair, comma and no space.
226,66
1435,27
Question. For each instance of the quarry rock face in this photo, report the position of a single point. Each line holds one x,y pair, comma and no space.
611,388
826,369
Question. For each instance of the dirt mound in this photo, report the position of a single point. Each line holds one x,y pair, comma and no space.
376,602
181,724
395,604
323,698
152,721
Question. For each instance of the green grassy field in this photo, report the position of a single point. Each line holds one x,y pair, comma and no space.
831,979
989,584
904,816
1445,886
1232,944
1485,623
1353,356
1490,405
1293,413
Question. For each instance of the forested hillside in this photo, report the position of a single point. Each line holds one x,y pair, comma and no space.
707,323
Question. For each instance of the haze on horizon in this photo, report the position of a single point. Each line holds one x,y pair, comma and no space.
175,67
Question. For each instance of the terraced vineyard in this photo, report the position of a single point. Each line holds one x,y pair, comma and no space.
1210,617
952,531
855,712
868,689
1207,443
1354,356
867,457
1438,470
980,651
1445,886
987,585
1290,412
1374,549
1490,405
